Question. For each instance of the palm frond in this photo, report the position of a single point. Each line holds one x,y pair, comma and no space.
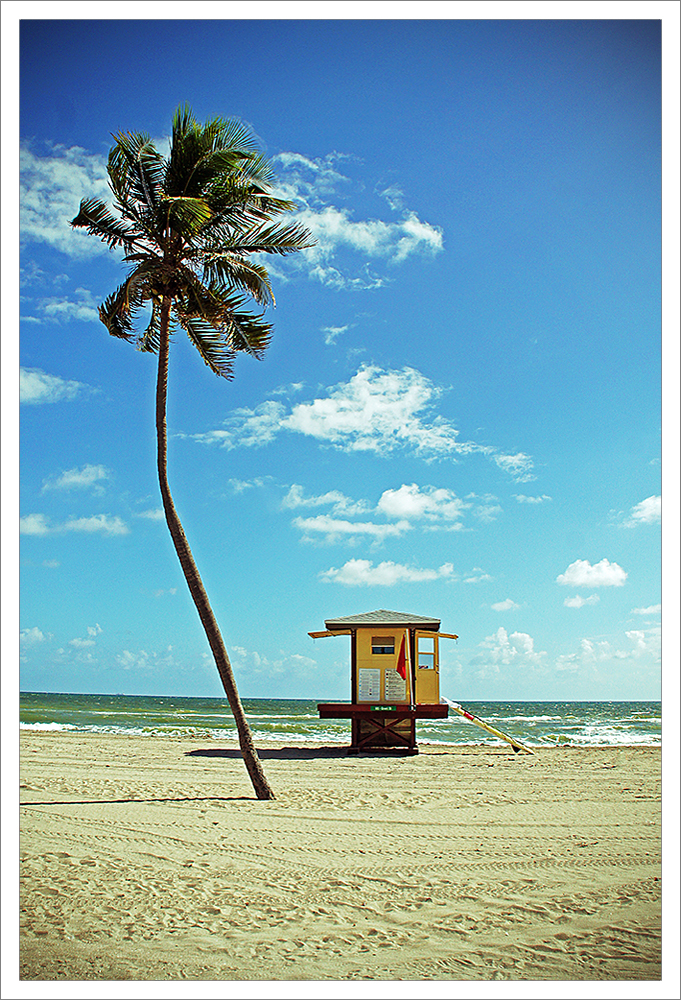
210,342
231,199
224,309
98,220
265,206
230,133
281,239
136,171
148,255
120,309
210,169
117,311
202,153
186,215
248,332
184,152
151,338
183,119
257,168
239,273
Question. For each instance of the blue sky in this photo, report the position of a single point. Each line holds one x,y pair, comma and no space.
459,415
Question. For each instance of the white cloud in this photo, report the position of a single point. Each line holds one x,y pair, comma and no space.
580,602
646,643
418,237
31,274
51,189
309,181
330,276
154,514
241,485
592,651
522,498
478,576
82,478
85,308
133,661
501,650
104,523
428,503
334,228
486,508
507,605
394,196
332,332
597,654
654,609
428,507
377,411
519,466
81,643
248,428
252,662
582,574
363,573
288,390
314,184
33,636
334,529
142,660
568,663
648,511
33,524
340,503
638,639
37,524
36,386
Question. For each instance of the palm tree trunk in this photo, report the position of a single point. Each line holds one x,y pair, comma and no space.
191,573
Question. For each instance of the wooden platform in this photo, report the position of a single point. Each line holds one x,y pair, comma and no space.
382,727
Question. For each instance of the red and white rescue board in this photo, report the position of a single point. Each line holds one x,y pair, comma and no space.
483,725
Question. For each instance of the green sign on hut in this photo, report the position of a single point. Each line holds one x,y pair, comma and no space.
394,677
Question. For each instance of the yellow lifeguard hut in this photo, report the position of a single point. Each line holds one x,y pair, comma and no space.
394,677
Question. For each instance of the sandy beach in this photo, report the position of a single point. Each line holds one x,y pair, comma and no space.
147,858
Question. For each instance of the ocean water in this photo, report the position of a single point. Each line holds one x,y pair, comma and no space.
547,723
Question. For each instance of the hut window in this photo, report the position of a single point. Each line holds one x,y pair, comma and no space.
383,644
426,652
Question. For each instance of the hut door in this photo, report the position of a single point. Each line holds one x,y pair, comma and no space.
427,669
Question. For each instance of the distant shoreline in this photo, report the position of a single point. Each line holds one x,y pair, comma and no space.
322,698
271,743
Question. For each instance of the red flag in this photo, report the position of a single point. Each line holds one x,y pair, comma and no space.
402,661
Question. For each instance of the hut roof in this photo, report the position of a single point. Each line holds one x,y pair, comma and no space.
383,618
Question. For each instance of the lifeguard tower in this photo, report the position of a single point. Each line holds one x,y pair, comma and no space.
395,677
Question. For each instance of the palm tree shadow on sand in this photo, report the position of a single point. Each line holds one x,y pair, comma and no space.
299,753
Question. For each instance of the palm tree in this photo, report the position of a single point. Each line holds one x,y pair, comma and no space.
188,224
